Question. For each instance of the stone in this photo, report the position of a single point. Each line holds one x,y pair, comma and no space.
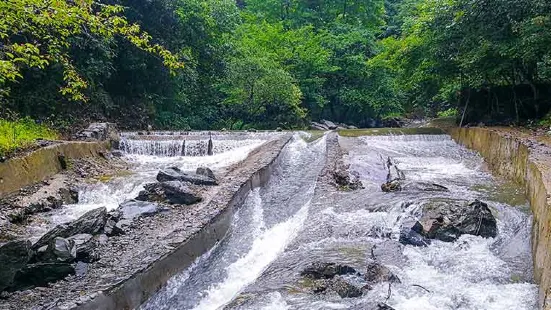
319,270
58,250
329,124
85,245
134,209
423,187
206,172
117,153
393,122
175,174
81,269
41,274
122,227
447,221
14,256
345,180
378,273
413,237
68,195
392,186
318,126
99,132
171,192
344,288
91,222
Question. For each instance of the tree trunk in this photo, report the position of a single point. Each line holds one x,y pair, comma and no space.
465,109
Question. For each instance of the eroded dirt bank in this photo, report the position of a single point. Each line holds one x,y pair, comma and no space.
526,159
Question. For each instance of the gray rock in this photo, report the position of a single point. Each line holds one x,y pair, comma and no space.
99,132
58,250
318,126
41,274
378,273
90,223
392,186
122,226
347,181
81,269
14,256
117,153
329,124
414,236
134,208
206,172
171,192
85,245
175,174
319,270
344,288
447,221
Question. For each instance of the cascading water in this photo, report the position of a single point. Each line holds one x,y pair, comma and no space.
147,158
269,220
287,225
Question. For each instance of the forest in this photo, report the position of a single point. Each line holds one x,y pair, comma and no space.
213,64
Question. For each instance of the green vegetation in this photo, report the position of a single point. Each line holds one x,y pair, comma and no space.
22,133
198,64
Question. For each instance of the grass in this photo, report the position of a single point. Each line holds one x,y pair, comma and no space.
21,134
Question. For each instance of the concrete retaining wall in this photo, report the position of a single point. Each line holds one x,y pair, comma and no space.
132,293
508,155
43,163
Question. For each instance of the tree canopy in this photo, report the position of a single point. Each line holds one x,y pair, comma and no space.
272,63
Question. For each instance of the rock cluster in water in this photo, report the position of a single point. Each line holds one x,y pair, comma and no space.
67,248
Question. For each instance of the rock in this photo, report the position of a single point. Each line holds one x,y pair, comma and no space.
423,186
99,132
171,192
344,288
41,274
329,124
81,269
85,245
447,221
252,130
206,172
378,273
279,129
175,174
413,237
109,227
370,305
122,227
352,127
68,195
393,122
318,126
14,256
133,209
346,180
319,270
394,173
117,153
90,223
58,250
392,186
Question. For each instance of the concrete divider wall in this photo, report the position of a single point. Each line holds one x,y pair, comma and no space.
19,172
507,155
141,286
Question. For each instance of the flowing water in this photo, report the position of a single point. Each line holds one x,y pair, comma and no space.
294,221
147,157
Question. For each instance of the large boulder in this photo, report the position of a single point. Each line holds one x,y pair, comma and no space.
85,245
447,221
393,122
175,174
99,132
414,236
171,192
205,172
59,250
91,222
378,273
40,274
134,208
318,126
344,288
14,256
320,270
329,124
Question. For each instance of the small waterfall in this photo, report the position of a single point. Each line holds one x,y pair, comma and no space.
171,148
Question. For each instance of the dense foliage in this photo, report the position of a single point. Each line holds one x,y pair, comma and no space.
272,63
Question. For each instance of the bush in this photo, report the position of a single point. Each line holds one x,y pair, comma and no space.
21,134
447,113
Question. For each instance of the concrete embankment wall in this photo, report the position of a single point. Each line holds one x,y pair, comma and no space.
253,172
19,172
508,154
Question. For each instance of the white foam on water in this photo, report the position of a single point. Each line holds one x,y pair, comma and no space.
461,275
276,302
265,249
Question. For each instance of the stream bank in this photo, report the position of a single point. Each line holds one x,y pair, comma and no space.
525,159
